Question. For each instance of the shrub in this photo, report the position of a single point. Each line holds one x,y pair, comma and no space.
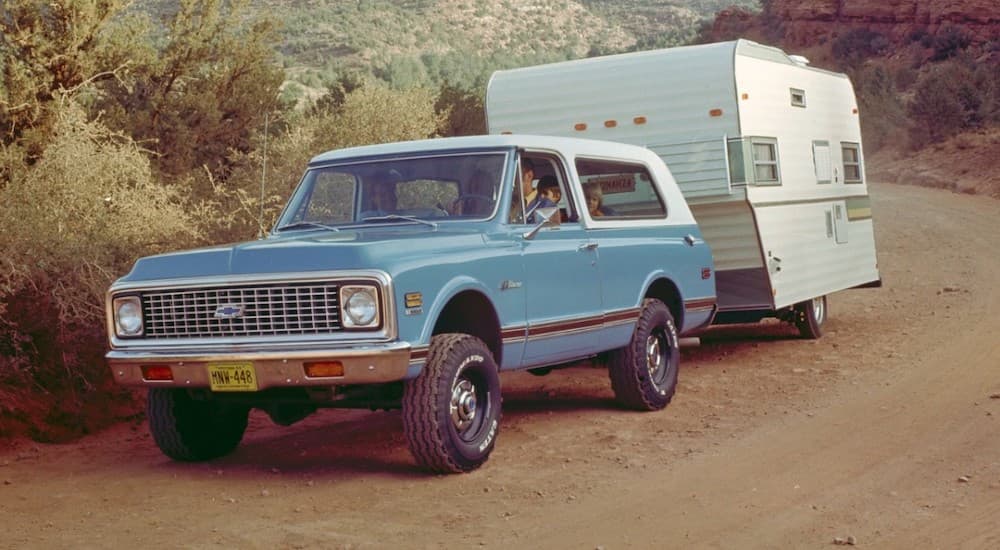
72,221
856,45
883,114
949,41
946,100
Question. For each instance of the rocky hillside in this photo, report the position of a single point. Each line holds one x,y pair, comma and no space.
812,22
808,21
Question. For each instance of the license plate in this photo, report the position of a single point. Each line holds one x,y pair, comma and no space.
232,376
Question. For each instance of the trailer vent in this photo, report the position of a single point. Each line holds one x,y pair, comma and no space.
798,97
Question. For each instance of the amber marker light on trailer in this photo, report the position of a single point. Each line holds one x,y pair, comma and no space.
639,120
715,112
580,126
324,369
157,373
610,123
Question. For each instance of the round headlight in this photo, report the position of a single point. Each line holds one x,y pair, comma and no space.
361,308
129,317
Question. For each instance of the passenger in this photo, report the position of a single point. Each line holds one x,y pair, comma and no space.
543,197
548,187
477,198
382,199
595,201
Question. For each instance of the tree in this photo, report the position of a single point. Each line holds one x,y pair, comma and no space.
50,49
199,97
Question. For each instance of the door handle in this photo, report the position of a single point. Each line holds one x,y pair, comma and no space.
587,247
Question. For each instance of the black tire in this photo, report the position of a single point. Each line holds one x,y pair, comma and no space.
644,373
451,412
194,430
810,317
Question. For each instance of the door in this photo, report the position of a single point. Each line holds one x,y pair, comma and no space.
563,293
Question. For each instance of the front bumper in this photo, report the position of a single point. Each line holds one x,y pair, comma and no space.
372,364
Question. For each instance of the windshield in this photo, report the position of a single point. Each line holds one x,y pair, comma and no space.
434,188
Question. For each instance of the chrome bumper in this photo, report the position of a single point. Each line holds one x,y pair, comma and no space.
362,365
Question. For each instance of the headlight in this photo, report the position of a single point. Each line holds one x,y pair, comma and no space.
359,306
128,316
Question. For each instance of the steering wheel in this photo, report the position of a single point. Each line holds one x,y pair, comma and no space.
472,204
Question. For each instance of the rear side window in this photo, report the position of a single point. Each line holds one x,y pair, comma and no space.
619,190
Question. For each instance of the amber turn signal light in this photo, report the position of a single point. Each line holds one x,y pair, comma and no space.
324,369
159,373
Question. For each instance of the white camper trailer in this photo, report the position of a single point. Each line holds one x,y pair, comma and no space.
766,149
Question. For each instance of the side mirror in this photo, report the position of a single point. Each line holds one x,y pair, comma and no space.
549,217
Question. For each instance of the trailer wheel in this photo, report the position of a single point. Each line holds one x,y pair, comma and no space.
810,316
451,412
644,373
192,430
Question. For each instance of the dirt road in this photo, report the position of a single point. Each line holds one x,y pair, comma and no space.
887,430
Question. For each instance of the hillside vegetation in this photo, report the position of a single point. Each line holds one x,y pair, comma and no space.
430,42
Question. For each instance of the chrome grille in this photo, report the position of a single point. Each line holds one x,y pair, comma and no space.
279,309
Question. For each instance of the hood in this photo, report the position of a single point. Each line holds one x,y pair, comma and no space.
385,248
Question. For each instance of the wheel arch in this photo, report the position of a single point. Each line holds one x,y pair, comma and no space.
666,291
471,312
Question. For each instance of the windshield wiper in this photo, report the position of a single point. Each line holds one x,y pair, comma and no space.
398,217
306,225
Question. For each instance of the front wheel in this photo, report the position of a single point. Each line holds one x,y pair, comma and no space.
810,316
644,373
451,412
193,430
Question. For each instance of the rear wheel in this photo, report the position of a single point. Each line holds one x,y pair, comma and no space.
810,317
194,430
644,373
451,412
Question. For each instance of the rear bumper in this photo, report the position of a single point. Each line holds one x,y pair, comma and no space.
273,369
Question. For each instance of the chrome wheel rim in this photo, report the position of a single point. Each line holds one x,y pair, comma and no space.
654,357
463,404
819,309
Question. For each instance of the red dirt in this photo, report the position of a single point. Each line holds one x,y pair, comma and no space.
884,430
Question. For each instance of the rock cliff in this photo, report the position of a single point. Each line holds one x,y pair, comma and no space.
809,22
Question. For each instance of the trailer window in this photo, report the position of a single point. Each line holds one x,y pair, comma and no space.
851,153
619,190
765,161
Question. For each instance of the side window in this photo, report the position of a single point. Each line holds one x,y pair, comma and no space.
543,182
822,161
851,153
765,161
619,190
